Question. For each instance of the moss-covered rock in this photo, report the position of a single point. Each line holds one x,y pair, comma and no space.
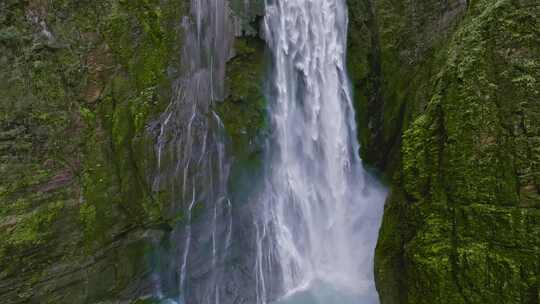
79,80
457,90
243,111
394,50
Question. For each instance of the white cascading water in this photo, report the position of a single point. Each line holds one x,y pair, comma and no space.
320,211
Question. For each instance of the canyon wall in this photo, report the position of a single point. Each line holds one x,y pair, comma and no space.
447,95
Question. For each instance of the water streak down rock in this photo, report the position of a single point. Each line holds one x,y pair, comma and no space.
192,164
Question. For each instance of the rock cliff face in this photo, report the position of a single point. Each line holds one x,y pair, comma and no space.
78,81
447,101
83,86
448,93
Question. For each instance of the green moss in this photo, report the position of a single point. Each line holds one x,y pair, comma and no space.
463,230
33,228
395,49
243,112
73,115
115,178
390,267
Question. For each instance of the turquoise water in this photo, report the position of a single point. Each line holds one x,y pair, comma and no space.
317,293
324,293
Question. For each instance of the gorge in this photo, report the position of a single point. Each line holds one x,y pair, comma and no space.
235,151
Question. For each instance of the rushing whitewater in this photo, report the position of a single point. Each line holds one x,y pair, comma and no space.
320,211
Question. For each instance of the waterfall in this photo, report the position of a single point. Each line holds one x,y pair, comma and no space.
319,213
307,231
192,165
